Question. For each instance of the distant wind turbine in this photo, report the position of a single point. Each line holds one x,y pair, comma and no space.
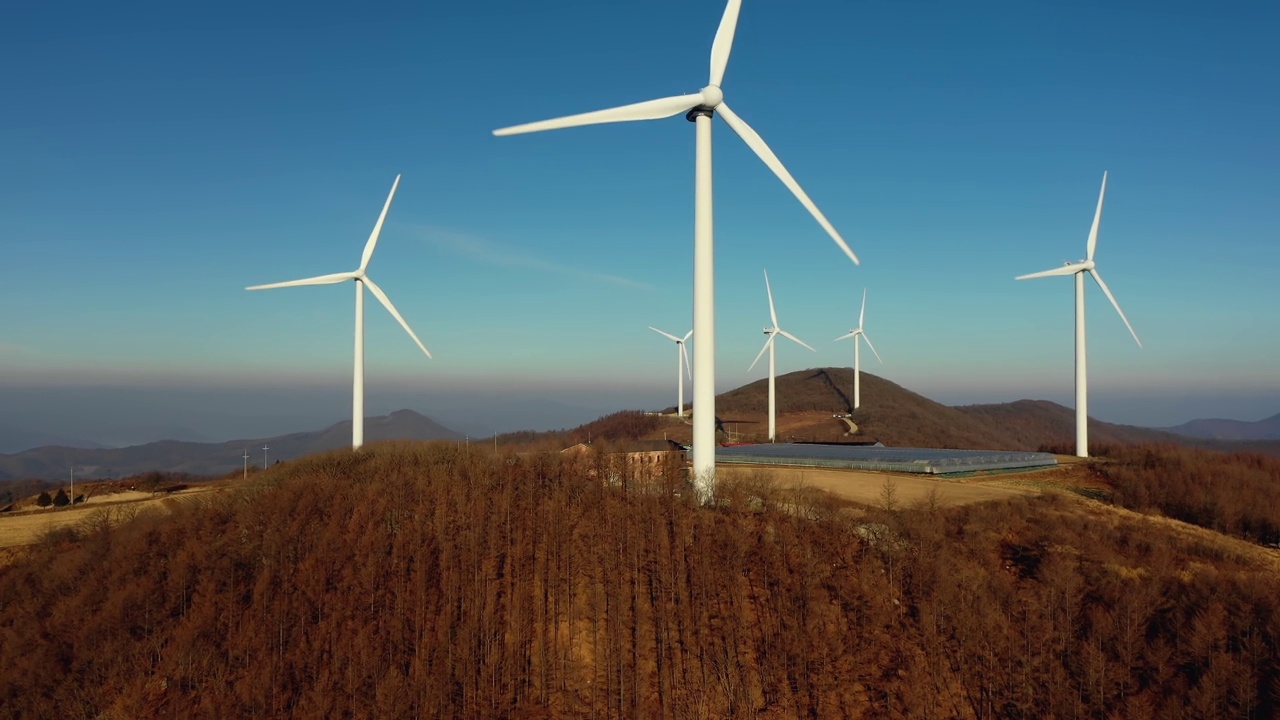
361,279
857,333
699,108
1079,270
773,332
682,365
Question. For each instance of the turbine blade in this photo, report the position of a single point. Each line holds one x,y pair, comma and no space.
688,366
1071,269
386,303
767,343
687,336
863,313
873,347
318,280
793,338
754,141
1107,291
647,110
723,44
1097,220
664,334
377,228
773,314
846,336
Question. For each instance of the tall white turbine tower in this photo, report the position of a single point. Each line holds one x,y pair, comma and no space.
773,332
682,365
361,278
699,108
858,333
1079,270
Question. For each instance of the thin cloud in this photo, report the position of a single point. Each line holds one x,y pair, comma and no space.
494,253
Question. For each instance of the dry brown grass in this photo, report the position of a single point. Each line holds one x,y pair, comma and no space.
26,527
867,488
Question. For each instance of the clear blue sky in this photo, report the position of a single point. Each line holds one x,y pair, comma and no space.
158,157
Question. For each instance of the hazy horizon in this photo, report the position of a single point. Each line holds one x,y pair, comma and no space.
124,412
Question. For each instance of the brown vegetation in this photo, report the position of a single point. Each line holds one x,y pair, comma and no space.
1231,493
898,417
439,581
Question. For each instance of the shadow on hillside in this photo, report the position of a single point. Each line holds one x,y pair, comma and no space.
826,377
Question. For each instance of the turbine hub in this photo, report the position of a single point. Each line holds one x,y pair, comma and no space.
712,96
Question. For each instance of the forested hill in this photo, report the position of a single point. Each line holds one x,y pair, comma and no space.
446,582
897,416
1219,429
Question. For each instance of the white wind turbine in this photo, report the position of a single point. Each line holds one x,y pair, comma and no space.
682,365
857,333
773,332
699,108
361,279
1079,270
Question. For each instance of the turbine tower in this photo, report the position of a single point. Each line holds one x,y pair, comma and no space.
682,365
773,332
361,278
1079,270
699,108
858,333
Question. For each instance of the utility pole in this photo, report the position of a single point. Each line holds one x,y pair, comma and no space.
264,456
246,463
73,485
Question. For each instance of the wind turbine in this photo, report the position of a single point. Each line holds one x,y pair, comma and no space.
682,365
361,279
1079,270
699,108
857,333
773,332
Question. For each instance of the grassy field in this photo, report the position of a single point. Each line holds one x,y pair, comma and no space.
27,526
869,488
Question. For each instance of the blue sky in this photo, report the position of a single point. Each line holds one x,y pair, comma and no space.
159,157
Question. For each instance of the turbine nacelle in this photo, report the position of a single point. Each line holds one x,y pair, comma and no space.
712,96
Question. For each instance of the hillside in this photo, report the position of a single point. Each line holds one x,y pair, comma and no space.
441,581
1218,429
894,415
212,458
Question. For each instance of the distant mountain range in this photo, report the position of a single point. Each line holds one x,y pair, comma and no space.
1218,429
808,400
16,439
55,462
